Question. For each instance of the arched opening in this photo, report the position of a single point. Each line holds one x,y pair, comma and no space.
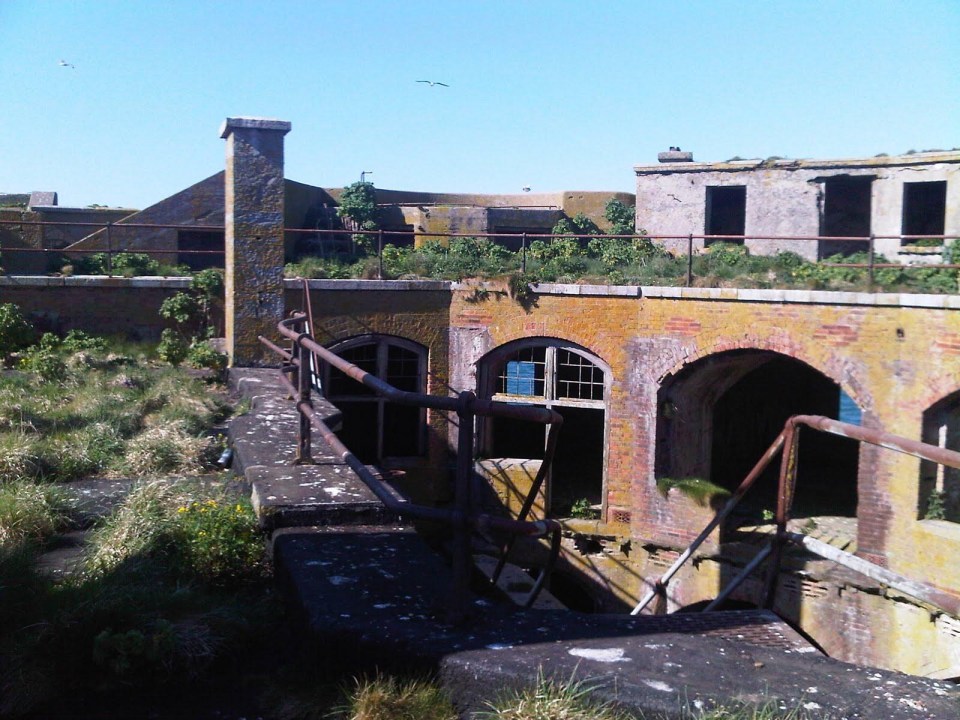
717,416
373,428
939,485
575,383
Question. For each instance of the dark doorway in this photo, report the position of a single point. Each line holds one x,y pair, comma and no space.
939,484
726,212
846,213
749,416
200,249
924,209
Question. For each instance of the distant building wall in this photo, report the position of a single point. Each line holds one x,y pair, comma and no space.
790,198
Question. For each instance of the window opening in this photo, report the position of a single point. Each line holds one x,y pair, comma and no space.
940,485
846,213
924,209
372,427
726,212
570,382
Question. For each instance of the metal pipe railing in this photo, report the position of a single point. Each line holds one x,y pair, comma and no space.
788,442
463,517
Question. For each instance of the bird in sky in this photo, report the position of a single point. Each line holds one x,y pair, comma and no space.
64,63
431,83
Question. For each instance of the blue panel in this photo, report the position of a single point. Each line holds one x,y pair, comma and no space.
521,377
849,412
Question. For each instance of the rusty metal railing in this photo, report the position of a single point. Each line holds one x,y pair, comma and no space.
464,517
788,442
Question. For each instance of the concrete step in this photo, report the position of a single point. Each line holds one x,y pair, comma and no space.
328,493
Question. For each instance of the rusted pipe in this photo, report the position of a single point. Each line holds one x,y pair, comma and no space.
747,483
943,456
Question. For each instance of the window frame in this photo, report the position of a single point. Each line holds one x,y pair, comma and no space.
382,344
491,368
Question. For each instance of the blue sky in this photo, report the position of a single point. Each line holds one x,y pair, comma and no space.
550,95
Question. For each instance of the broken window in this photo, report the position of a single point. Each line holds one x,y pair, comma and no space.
726,212
845,213
940,485
372,427
570,381
924,210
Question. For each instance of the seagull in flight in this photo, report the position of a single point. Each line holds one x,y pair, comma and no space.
431,83
64,63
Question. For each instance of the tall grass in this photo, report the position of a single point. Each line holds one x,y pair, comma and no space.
105,414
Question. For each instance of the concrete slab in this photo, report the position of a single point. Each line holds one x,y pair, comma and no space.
305,495
662,675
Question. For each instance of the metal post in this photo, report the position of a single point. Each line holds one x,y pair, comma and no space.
523,253
689,259
462,562
301,358
109,252
871,255
788,477
380,254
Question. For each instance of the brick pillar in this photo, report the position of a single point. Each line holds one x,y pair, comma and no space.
253,218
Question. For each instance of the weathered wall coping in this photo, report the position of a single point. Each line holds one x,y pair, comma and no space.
93,281
811,297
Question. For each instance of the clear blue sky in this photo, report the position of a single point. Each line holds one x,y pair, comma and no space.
550,95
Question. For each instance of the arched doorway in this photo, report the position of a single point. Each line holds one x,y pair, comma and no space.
717,416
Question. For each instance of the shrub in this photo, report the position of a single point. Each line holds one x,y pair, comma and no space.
203,355
172,348
15,332
217,539
126,264
46,364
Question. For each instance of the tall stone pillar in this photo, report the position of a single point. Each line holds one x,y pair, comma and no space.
253,221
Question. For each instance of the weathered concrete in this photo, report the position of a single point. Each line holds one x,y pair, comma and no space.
378,596
786,198
254,201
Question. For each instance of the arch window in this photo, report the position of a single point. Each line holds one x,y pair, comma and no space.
569,380
373,428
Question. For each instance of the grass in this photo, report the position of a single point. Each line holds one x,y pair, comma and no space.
552,700
67,415
390,698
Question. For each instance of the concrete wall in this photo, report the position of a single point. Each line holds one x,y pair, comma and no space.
785,197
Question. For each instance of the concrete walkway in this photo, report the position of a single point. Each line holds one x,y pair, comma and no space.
372,593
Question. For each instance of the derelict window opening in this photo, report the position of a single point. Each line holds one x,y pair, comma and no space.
726,212
719,415
845,213
924,209
573,384
398,235
373,428
204,240
940,485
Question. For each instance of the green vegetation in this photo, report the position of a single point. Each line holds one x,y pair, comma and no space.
192,314
703,492
579,256
552,700
390,698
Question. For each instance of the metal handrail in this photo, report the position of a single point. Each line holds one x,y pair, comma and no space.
463,517
787,441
